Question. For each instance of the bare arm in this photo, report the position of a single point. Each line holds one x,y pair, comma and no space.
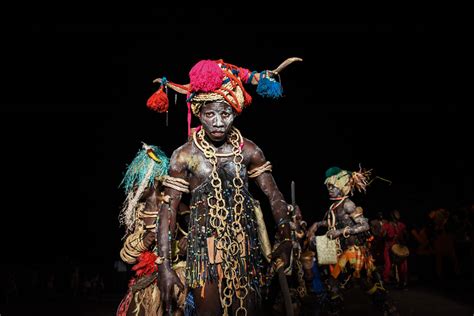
361,223
267,184
133,246
168,211
312,230
282,254
166,224
152,197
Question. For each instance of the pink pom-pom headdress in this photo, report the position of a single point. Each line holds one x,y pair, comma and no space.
214,80
206,76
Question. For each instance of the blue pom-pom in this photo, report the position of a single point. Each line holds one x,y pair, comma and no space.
269,87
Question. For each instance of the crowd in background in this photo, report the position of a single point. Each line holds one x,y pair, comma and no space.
440,244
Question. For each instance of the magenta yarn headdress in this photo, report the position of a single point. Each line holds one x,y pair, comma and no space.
215,80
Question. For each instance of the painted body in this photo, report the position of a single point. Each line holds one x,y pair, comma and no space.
188,162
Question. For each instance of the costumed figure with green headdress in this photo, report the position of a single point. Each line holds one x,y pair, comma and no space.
348,232
142,185
226,253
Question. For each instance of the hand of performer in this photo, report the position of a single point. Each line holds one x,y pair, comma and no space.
149,238
334,233
167,279
312,230
283,252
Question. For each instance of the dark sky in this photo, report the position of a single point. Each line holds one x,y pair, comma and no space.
73,114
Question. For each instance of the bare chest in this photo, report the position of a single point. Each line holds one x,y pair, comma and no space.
342,216
201,168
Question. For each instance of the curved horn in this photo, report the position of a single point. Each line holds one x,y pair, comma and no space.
285,64
183,89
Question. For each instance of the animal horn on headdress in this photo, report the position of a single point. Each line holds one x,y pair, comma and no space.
285,64
267,85
180,88
207,76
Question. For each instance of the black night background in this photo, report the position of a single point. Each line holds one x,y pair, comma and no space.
389,97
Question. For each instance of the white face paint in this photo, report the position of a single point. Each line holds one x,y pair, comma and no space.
216,119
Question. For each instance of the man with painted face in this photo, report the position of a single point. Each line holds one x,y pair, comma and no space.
345,223
224,262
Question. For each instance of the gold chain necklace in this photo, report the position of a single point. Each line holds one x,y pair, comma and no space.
200,134
230,238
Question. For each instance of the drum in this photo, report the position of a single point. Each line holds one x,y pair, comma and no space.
399,253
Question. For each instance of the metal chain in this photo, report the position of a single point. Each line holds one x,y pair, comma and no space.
229,237
301,283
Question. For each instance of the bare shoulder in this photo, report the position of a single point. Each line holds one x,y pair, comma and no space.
249,144
349,206
252,151
179,159
180,153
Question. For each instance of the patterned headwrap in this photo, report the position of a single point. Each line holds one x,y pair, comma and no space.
216,80
346,181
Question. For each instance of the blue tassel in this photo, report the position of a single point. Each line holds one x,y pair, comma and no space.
189,307
138,169
269,87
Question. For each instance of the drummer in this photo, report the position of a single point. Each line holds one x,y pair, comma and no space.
395,232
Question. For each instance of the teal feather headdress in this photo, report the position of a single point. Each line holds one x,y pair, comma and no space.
149,156
149,164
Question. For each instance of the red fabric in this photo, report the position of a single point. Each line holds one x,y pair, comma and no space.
244,74
131,282
146,264
247,98
402,267
124,305
393,233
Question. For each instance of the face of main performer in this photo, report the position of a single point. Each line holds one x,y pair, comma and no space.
217,119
